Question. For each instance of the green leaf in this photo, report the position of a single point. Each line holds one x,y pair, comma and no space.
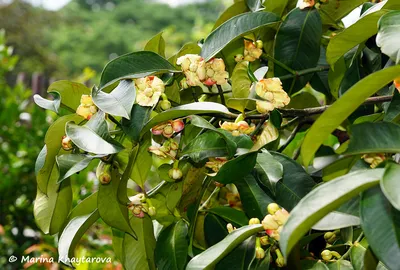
119,102
380,223
241,82
254,5
69,164
143,163
172,247
370,137
240,257
321,201
278,7
52,105
313,265
139,254
333,11
93,137
188,48
132,66
69,92
209,258
139,117
53,145
390,186
297,45
214,229
237,8
362,257
111,211
340,265
388,34
393,111
270,170
237,168
269,134
350,37
234,28
156,44
40,160
342,109
336,220
338,168
72,233
234,216
254,199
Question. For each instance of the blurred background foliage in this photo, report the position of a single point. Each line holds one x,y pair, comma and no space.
75,43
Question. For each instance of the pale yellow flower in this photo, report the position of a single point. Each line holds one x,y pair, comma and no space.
87,108
251,52
149,90
271,90
193,66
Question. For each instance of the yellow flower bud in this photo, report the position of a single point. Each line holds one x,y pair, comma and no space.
281,216
251,52
269,223
259,44
230,227
254,221
272,208
165,105
260,253
326,255
396,83
264,240
175,173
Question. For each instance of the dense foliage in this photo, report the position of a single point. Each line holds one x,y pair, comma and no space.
271,144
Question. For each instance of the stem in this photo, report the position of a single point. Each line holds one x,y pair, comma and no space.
290,138
221,94
259,125
304,72
194,93
282,65
216,190
216,94
349,250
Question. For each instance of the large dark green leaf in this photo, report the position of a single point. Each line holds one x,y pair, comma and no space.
390,184
343,108
235,28
361,256
52,105
93,137
297,45
336,220
255,201
239,258
236,217
209,258
393,111
321,201
172,247
381,225
234,170
72,233
69,164
388,35
134,65
378,137
269,170
70,93
119,102
186,110
156,44
214,229
139,117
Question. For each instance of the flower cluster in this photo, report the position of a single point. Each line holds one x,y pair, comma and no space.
274,221
167,129
87,108
272,93
199,73
374,159
149,90
140,205
252,50
168,149
241,127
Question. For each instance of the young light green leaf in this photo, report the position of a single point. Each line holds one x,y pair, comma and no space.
390,184
233,29
237,8
241,83
343,108
321,201
70,93
93,137
209,258
52,105
119,102
72,233
156,44
388,34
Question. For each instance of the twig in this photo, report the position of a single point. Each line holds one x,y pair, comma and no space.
216,190
282,65
291,137
304,72
221,94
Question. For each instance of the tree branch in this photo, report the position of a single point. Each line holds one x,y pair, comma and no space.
304,72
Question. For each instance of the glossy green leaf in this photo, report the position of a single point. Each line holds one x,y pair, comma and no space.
72,233
40,160
134,65
143,163
269,134
233,29
209,258
186,110
240,104
70,164
234,216
93,137
254,5
52,105
139,254
84,207
156,44
380,223
340,265
139,117
388,34
172,247
240,257
377,137
393,111
237,168
350,37
278,7
270,170
254,199
333,11
313,265
321,201
188,48
297,45
119,102
237,8
214,229
342,109
70,93
361,256
338,168
336,220
241,82
390,184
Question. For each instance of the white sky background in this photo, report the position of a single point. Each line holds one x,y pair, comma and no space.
57,4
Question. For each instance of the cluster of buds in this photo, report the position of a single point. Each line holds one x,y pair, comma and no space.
167,129
327,255
149,90
374,159
252,50
140,205
168,149
396,83
241,127
272,93
87,108
199,73
216,163
274,221
103,173
66,143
